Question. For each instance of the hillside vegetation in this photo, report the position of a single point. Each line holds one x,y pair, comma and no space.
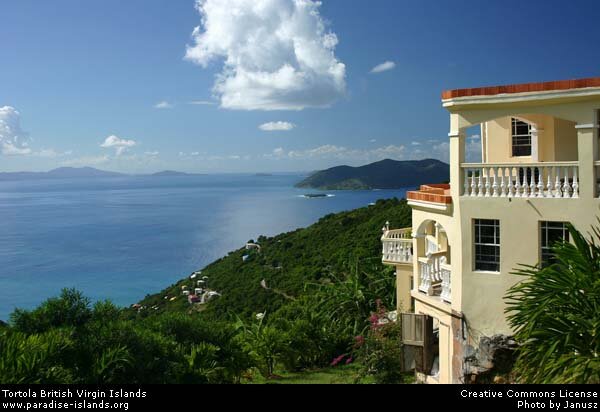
386,174
289,261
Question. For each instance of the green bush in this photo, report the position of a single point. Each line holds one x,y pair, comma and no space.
381,351
555,311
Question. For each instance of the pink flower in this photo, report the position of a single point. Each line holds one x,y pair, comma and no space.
358,341
349,361
337,360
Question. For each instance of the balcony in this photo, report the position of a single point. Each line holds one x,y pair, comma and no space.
434,196
435,276
522,180
397,246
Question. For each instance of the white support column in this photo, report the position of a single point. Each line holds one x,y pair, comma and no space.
457,135
587,147
484,129
535,152
457,158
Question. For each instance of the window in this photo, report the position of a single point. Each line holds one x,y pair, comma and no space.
521,138
487,245
550,233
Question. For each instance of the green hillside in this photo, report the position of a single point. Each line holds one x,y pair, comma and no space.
288,261
386,174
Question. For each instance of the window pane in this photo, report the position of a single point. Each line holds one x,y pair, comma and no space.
521,138
487,245
551,233
522,151
522,128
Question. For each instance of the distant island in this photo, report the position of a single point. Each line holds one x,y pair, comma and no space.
78,172
171,173
385,174
315,195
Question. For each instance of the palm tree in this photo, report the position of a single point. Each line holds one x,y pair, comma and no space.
265,343
555,312
352,299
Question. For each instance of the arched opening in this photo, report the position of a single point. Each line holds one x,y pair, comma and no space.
433,254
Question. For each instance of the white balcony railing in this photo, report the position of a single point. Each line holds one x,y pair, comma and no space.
526,180
446,282
397,246
435,275
431,245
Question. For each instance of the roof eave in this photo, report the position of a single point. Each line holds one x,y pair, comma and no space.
507,98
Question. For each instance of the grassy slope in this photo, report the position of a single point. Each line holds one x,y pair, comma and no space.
346,374
339,375
290,260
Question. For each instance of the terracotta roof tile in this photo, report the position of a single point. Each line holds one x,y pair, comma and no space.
523,88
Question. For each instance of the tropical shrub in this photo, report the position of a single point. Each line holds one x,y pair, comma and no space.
313,339
555,311
71,308
266,343
381,350
34,359
351,298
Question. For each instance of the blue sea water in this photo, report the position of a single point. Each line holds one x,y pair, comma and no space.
123,238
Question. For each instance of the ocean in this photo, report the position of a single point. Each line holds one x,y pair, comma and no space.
122,238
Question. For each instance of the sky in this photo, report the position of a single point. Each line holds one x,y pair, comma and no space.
264,85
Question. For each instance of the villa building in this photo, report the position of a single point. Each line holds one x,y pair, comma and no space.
538,170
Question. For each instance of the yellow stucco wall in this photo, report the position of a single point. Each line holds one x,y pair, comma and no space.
404,274
565,140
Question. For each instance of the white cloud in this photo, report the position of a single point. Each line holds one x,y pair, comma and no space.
278,54
9,149
473,149
372,140
278,152
86,161
440,149
206,157
201,103
433,149
151,154
391,151
277,126
341,153
51,153
120,145
13,140
383,67
163,105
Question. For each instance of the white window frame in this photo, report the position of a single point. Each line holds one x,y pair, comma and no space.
496,244
513,135
545,248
